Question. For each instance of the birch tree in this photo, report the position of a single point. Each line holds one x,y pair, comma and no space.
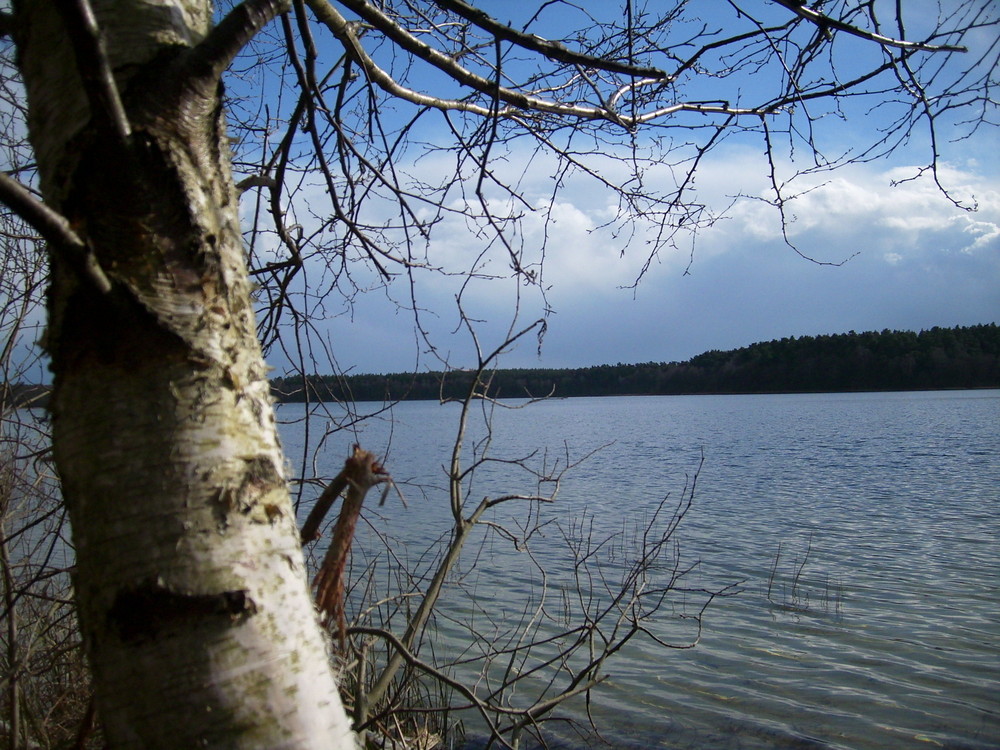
189,582
189,578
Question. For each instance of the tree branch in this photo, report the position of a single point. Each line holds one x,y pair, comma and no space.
361,472
106,107
449,66
310,529
209,59
482,706
551,50
518,101
255,181
826,22
54,229
344,31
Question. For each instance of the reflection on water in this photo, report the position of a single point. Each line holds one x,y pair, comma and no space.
865,529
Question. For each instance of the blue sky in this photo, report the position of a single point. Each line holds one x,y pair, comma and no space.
915,261
912,260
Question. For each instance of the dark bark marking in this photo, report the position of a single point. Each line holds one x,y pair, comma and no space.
260,476
145,611
261,473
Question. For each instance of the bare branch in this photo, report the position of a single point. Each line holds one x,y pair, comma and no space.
484,709
551,50
253,181
207,61
92,64
54,228
826,22
310,529
518,102
361,472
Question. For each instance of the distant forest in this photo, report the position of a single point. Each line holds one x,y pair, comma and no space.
961,357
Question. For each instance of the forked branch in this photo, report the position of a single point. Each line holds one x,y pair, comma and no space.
206,62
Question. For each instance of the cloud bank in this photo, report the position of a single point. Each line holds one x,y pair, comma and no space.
909,259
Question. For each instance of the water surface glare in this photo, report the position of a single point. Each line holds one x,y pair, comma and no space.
865,529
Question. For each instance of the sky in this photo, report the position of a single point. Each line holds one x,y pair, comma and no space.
909,260
895,253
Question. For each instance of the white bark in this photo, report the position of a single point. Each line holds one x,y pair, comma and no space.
190,581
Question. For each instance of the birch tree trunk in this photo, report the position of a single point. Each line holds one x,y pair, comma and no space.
190,581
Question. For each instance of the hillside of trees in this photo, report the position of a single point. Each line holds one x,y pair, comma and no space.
961,357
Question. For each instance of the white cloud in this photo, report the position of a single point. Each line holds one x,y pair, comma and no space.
923,262
873,211
985,234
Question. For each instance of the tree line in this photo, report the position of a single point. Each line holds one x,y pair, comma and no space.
938,358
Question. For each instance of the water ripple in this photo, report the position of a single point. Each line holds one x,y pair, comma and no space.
866,529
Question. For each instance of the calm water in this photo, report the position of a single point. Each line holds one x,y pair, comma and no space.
863,529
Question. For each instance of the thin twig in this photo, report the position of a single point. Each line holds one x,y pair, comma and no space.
437,674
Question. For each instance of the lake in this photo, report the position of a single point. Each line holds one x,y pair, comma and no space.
861,532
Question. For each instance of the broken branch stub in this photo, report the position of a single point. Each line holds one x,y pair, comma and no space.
361,472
